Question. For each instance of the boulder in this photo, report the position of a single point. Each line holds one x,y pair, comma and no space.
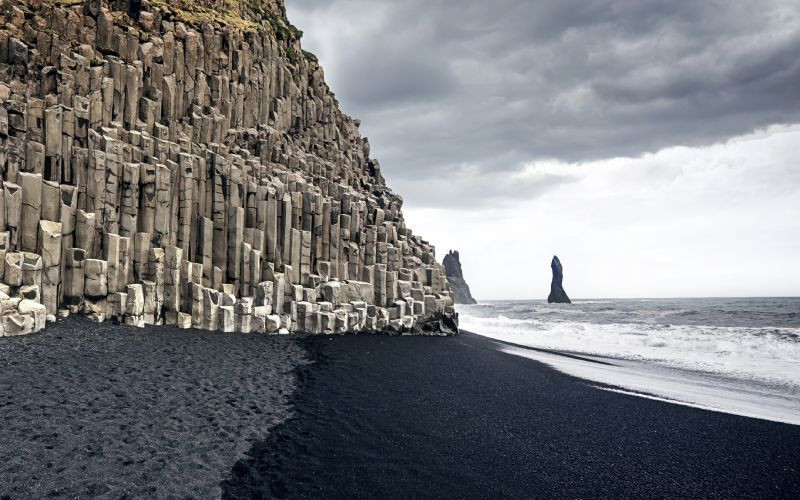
17,324
272,323
36,311
184,320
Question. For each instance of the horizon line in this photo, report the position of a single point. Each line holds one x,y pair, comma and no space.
652,298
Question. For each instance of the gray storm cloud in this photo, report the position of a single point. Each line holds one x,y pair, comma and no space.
481,88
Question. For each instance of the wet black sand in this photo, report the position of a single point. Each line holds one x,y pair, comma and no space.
380,417
111,411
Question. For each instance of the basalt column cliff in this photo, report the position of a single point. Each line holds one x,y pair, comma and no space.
185,163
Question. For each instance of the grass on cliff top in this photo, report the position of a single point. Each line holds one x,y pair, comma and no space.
196,14
246,15
63,3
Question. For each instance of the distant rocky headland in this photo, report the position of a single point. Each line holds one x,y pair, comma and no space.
185,163
455,277
557,293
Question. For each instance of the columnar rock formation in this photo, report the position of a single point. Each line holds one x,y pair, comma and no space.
557,293
185,163
455,278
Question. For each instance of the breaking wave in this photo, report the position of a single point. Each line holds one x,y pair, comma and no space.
759,353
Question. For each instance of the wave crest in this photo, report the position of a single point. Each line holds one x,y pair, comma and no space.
757,353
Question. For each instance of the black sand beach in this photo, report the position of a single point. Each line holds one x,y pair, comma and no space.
380,417
113,411
109,410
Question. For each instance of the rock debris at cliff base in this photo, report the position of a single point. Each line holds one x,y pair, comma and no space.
186,165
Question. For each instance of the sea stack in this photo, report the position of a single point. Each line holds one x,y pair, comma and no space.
455,277
185,163
557,293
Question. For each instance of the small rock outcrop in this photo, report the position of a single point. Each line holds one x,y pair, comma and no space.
185,163
557,293
455,277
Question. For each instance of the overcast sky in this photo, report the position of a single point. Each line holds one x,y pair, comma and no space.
653,145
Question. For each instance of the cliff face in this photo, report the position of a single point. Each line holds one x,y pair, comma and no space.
185,163
557,293
455,277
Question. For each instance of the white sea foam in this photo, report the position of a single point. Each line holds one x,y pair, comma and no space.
673,385
768,355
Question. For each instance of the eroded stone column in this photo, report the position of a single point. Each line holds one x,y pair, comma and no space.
74,278
50,250
31,212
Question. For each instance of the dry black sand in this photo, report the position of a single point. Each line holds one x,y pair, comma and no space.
110,410
113,411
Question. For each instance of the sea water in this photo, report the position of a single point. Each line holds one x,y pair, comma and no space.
739,355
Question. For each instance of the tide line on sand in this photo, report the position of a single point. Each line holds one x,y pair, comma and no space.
683,387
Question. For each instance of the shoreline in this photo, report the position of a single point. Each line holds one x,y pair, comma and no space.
412,417
114,410
648,379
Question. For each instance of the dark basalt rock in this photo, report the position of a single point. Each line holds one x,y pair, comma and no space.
557,293
455,277
92,7
437,325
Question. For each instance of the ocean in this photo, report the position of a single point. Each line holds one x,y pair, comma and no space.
679,349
